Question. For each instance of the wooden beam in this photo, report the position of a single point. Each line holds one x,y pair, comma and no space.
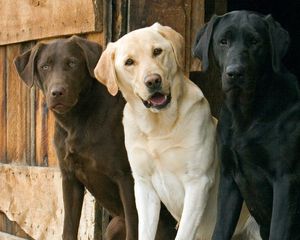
36,19
6,236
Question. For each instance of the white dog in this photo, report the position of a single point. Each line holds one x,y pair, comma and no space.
169,131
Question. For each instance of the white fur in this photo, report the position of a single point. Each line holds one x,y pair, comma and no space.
172,152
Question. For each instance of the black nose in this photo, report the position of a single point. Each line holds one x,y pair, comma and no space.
153,81
58,91
235,71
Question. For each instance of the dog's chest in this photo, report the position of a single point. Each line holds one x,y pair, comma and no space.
251,148
168,163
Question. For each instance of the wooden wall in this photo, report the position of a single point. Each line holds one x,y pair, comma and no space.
26,125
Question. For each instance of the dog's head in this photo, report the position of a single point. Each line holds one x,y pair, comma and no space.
143,65
62,69
244,45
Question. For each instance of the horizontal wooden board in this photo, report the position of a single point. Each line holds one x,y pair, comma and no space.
6,236
36,19
32,198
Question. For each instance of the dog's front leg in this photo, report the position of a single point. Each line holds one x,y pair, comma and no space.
285,222
126,186
148,207
229,207
195,201
73,192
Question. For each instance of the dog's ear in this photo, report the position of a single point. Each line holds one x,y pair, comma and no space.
176,40
203,41
105,70
279,41
91,51
26,63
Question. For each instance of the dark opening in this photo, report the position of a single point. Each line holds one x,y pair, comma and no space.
285,12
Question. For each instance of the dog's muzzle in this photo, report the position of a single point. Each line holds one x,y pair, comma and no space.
158,99
233,76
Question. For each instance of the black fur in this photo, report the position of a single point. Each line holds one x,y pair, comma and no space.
259,125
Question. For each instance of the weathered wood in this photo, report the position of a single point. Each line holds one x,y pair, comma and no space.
2,222
18,113
11,228
41,127
2,105
36,19
185,16
6,236
197,21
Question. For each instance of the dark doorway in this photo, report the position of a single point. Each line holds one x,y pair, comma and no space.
287,14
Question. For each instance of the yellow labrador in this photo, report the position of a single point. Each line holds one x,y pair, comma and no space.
169,131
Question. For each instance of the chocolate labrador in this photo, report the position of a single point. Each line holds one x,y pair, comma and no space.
259,127
89,136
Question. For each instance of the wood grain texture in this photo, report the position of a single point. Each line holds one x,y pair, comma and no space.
2,105
18,113
6,236
12,227
184,16
36,19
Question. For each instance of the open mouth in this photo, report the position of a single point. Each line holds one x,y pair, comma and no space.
157,100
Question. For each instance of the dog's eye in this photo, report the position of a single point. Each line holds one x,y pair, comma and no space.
45,67
71,64
223,42
157,51
254,41
129,62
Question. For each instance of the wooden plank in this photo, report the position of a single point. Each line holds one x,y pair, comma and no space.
12,229
145,13
18,113
36,19
52,159
41,129
185,16
44,129
2,105
197,21
32,198
2,222
6,236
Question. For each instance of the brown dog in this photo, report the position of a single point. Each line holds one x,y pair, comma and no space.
89,138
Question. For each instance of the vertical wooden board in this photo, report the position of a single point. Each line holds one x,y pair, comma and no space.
45,152
2,222
52,159
97,37
18,113
175,14
197,21
41,137
2,106
12,228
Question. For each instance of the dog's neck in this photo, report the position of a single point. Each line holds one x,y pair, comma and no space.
268,101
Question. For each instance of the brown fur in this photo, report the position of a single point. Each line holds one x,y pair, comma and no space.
89,138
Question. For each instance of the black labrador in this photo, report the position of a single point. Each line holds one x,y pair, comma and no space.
259,125
89,136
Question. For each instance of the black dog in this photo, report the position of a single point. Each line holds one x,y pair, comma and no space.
89,138
259,127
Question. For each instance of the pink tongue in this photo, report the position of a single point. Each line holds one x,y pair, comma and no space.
157,99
